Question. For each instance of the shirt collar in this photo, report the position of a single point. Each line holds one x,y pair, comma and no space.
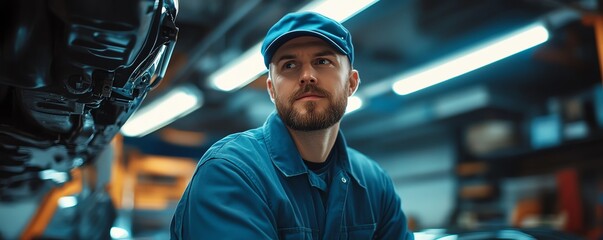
284,153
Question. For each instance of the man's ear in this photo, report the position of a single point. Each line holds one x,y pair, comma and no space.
270,88
354,82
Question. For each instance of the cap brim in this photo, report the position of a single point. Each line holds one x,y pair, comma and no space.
282,39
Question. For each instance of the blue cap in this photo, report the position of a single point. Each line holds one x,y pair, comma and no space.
313,24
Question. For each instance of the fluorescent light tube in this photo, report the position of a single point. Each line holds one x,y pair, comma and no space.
240,72
119,233
67,201
473,59
354,103
251,64
163,110
339,10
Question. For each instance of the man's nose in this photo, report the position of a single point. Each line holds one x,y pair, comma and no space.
308,75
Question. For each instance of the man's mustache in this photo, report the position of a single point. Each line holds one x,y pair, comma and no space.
310,89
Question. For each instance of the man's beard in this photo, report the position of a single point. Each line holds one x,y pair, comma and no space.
313,119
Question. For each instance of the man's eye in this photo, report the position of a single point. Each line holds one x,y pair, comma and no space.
323,61
289,65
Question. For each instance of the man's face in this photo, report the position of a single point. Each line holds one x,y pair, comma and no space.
310,83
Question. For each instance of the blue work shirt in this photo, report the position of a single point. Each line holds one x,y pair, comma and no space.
255,185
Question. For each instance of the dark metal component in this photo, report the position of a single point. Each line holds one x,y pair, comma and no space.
71,73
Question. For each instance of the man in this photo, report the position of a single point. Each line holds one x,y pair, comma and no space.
294,177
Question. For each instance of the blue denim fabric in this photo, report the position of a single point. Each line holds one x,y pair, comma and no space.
254,185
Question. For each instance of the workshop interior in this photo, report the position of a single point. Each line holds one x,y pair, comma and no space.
487,115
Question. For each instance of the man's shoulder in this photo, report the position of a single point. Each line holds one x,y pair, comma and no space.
366,169
360,160
244,149
249,140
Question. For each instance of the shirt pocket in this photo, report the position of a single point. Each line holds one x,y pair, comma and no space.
296,233
359,232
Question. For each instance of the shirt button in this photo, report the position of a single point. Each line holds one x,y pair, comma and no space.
343,180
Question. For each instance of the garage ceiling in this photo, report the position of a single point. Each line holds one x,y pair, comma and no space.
390,37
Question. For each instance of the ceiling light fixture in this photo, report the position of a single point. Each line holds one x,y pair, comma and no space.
240,72
250,65
67,201
339,10
162,111
475,58
354,103
119,233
